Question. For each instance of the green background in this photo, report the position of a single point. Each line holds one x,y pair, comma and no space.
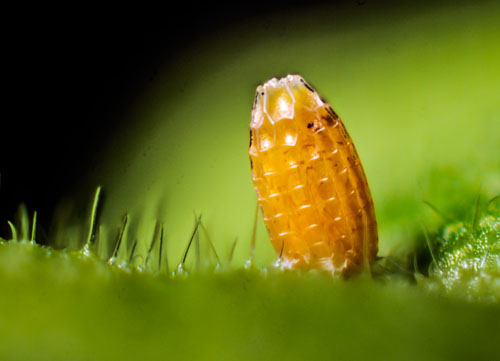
416,85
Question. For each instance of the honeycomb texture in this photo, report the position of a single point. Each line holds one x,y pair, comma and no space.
310,184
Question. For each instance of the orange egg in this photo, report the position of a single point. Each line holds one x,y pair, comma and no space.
310,184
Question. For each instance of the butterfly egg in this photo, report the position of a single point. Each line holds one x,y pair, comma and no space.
310,184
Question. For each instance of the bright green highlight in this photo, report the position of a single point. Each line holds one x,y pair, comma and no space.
417,90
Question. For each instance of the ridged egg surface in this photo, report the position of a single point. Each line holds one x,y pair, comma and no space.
310,184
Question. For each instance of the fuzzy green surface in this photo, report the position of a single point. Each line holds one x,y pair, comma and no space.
64,306
468,259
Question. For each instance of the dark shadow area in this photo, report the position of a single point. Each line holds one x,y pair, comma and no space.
71,78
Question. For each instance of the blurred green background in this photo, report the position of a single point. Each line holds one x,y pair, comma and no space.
416,85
